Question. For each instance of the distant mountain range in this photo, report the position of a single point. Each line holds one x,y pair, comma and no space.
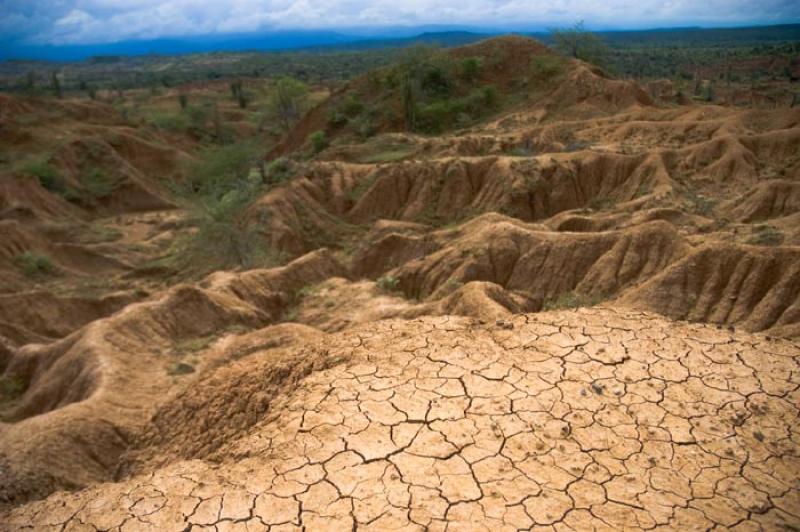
316,40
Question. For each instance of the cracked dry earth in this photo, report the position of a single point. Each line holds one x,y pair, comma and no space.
592,419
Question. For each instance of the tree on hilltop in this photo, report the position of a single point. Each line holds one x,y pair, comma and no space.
579,43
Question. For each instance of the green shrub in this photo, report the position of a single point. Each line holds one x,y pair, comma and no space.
700,205
766,235
352,106
10,388
34,264
387,283
571,300
180,368
98,183
470,68
47,175
173,122
546,66
337,118
217,193
318,141
278,171
217,169
440,115
436,82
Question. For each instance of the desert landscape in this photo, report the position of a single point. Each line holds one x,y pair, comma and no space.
482,287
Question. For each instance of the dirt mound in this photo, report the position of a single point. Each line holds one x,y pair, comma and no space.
594,419
517,68
747,287
772,199
45,315
541,264
69,425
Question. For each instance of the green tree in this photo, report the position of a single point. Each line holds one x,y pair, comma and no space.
578,43
289,100
318,141
55,83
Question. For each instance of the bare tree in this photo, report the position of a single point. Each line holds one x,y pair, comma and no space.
578,43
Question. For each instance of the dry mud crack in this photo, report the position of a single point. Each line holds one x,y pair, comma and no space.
593,419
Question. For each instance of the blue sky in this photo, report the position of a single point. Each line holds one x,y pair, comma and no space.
102,21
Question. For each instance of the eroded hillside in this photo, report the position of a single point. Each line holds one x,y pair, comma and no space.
418,359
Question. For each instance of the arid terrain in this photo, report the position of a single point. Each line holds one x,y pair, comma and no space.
562,301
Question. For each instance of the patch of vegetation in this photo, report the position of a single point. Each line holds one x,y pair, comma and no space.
578,43
217,192
11,388
699,204
600,203
384,150
318,141
288,101
766,235
577,145
444,114
518,151
98,183
387,284
547,66
308,291
47,175
278,171
98,234
180,368
571,300
451,286
361,188
290,314
35,265
193,345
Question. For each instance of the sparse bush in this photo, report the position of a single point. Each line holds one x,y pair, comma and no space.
11,388
170,121
387,283
34,264
700,205
308,291
352,106
183,100
288,101
470,68
766,235
318,141
444,114
571,300
546,66
55,83
180,368
578,43
218,191
577,145
600,203
47,175
278,171
337,118
451,286
98,183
